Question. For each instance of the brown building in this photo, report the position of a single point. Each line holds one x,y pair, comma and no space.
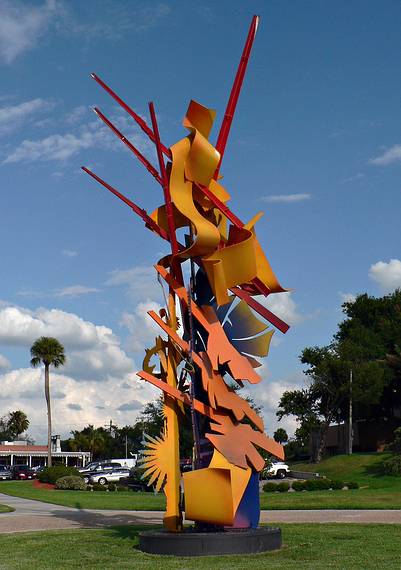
368,435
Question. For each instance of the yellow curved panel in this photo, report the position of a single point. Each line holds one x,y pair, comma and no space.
239,477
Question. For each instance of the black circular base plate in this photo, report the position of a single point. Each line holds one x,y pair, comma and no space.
192,543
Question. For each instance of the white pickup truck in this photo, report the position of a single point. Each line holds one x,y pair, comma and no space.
277,469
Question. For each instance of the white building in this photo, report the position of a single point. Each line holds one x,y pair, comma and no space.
21,453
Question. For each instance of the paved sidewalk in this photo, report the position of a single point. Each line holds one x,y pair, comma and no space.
33,515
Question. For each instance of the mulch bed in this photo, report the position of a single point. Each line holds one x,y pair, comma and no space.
38,485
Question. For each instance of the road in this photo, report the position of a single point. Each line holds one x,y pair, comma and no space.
35,516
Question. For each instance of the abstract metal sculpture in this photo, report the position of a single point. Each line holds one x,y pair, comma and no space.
216,338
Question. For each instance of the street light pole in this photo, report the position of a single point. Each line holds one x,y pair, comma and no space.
350,415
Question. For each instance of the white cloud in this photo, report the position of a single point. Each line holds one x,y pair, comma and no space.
93,351
69,253
268,394
13,116
75,291
4,363
347,297
22,25
282,305
386,275
115,21
60,147
74,403
286,198
138,280
391,155
142,328
77,114
55,147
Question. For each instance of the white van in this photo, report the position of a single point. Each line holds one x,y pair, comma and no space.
128,462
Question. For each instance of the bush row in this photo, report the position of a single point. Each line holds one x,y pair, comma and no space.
51,474
309,485
73,483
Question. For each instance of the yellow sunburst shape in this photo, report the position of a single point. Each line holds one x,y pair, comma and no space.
156,459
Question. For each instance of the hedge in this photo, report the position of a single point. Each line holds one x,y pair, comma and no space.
71,483
51,474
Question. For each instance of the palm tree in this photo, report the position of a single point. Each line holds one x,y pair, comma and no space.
50,352
17,423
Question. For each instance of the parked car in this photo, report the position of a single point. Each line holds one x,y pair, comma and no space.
99,466
5,472
113,476
22,472
277,469
100,469
185,465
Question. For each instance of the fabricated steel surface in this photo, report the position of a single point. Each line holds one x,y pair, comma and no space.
190,543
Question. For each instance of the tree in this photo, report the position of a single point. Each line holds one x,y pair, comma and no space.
95,440
370,338
17,423
323,402
13,424
49,352
367,342
280,435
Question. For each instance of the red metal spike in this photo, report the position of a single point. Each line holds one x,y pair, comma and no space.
129,144
235,92
146,129
268,315
165,182
140,211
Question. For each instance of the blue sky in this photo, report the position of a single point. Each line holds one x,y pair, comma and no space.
315,143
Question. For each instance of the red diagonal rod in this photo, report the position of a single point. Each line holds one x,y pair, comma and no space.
235,92
165,182
130,111
140,211
219,205
129,144
268,315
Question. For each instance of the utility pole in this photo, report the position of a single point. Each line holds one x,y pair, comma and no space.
126,447
350,415
109,426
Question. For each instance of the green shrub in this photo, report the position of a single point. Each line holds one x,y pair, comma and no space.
299,485
337,485
71,483
392,466
112,487
318,484
352,485
396,444
122,488
315,484
99,487
51,474
282,487
270,487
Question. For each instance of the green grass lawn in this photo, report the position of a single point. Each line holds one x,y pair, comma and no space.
317,547
354,499
376,492
6,509
365,468
126,500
